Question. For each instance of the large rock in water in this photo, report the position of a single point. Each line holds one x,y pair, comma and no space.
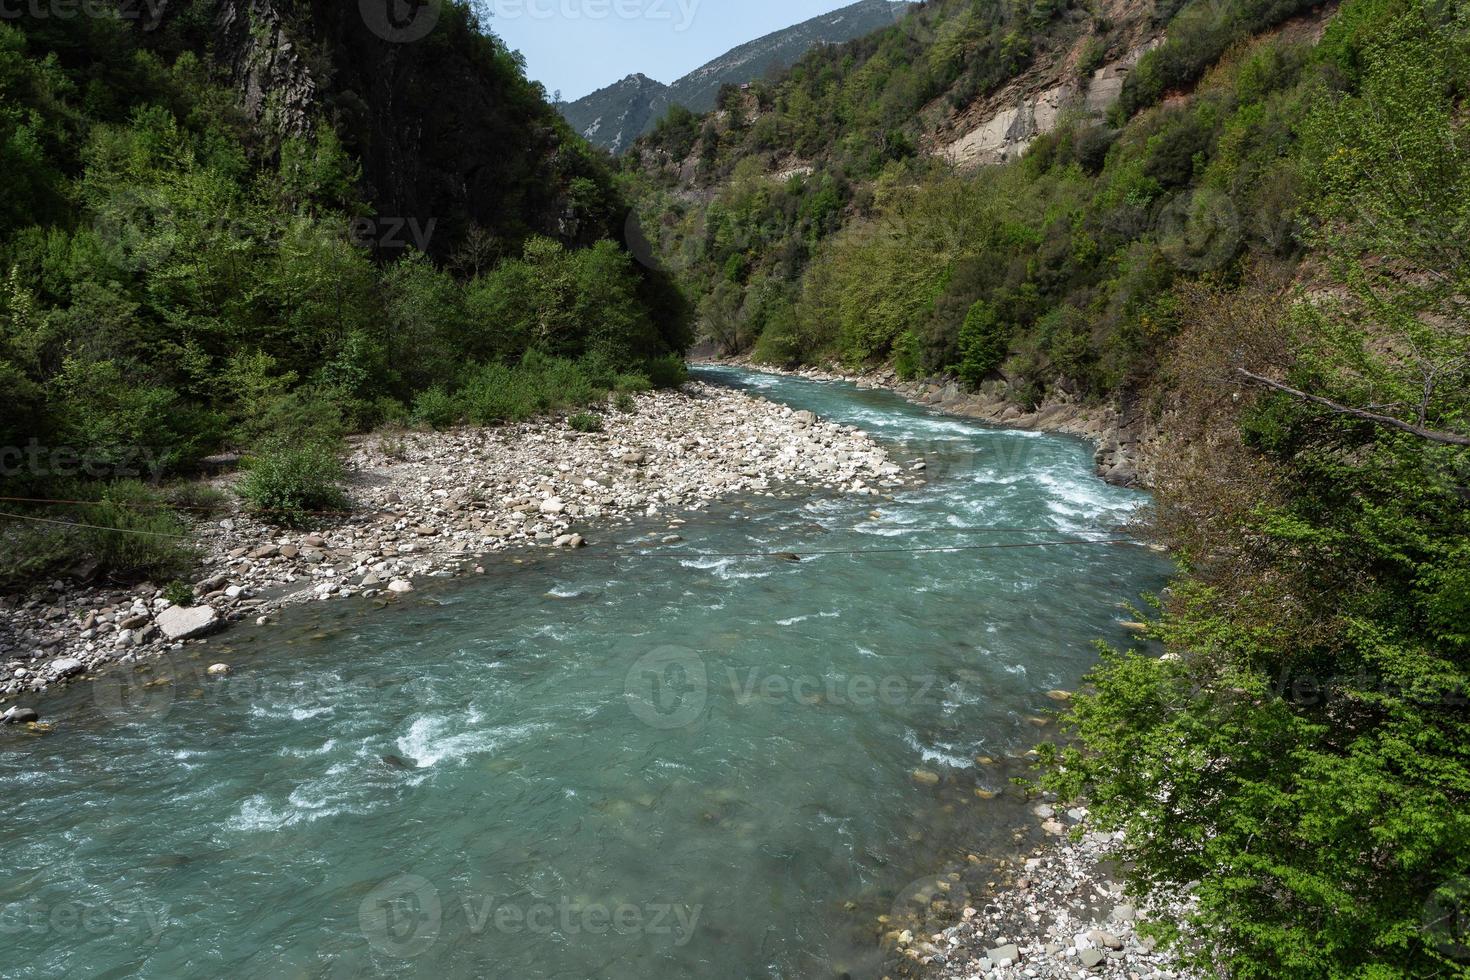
185,623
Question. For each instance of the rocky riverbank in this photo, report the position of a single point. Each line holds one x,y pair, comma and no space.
1059,911
431,504
1128,440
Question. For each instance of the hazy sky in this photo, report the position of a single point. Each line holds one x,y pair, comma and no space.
578,46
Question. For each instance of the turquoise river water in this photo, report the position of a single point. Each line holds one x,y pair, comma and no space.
600,764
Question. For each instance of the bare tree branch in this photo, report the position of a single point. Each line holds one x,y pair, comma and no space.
1432,435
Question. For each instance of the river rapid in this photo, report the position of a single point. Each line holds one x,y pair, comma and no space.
682,758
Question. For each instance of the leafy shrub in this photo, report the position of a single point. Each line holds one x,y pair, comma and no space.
126,535
436,408
179,593
286,482
667,372
984,342
585,422
624,402
196,498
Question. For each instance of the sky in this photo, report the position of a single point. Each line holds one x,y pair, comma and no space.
579,46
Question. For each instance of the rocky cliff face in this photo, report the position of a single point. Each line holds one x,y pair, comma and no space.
275,85
448,131
1012,127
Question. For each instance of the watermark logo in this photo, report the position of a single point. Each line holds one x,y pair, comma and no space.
392,233
679,14
144,10
96,462
69,920
1447,919
126,695
928,905
1199,231
402,916
667,687
401,21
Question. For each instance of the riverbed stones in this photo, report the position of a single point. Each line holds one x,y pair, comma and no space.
66,667
1004,956
218,670
187,622
18,715
400,586
481,490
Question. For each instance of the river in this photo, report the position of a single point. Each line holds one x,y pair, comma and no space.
694,761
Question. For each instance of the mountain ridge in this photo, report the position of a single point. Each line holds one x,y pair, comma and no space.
614,116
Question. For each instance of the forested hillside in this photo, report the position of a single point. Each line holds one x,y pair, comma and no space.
1264,244
247,227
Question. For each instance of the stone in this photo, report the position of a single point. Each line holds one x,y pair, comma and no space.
18,715
1089,958
265,551
400,586
1104,939
926,778
1004,956
67,666
187,623
552,505
289,551
1124,913
218,670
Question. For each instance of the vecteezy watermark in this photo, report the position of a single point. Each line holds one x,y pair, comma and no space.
37,460
138,693
1313,690
679,13
392,233
404,916
670,687
72,919
859,690
1446,919
148,691
928,905
1198,231
144,10
667,687
400,21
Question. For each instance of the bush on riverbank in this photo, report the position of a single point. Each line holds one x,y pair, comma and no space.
497,393
123,531
286,483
